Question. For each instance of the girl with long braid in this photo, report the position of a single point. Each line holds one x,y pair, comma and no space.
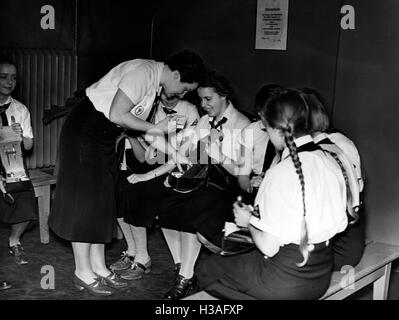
301,204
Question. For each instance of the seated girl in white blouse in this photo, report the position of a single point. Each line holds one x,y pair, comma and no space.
301,202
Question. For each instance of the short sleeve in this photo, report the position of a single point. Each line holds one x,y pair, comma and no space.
22,116
278,212
135,83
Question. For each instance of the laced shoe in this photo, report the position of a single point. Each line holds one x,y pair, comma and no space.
136,271
124,262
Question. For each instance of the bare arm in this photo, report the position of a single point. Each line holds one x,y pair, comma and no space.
138,149
244,182
268,244
160,171
28,143
120,114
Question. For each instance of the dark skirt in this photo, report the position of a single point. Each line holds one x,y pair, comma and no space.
250,276
204,211
349,245
138,203
22,210
84,208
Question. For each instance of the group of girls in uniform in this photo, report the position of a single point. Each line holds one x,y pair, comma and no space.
302,177
299,180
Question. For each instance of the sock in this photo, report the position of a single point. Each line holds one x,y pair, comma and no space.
127,233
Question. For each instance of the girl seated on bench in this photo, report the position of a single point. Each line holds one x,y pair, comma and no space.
301,202
348,246
189,219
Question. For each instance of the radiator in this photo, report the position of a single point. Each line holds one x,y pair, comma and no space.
45,78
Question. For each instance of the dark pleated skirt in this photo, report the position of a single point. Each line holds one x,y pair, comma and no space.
250,276
204,211
138,203
24,208
84,208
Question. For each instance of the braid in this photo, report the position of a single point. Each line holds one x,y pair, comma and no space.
349,207
303,245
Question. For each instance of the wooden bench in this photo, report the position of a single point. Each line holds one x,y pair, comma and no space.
42,185
374,268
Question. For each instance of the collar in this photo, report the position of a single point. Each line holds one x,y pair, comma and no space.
228,113
299,142
9,100
261,125
321,136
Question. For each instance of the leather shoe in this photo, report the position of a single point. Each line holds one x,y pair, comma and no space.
4,285
19,254
113,281
136,271
96,288
181,288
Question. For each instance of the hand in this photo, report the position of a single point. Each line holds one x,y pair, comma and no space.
242,214
136,177
180,159
167,125
256,181
16,126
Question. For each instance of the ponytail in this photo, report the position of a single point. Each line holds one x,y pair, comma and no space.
303,244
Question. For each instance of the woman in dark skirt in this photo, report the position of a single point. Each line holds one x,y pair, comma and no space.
16,115
301,204
189,219
84,208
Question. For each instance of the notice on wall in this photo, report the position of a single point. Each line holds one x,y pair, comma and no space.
271,24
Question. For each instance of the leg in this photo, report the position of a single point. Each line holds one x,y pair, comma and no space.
127,256
128,234
142,261
83,268
172,238
185,280
140,239
97,259
16,232
14,242
190,250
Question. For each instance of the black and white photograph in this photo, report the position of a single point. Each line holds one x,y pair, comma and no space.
196,155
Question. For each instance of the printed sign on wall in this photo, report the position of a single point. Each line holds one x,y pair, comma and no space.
271,24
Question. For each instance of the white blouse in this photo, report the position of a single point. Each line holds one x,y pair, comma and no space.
280,198
139,79
22,116
224,150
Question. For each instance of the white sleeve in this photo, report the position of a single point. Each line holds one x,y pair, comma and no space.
276,201
135,84
26,123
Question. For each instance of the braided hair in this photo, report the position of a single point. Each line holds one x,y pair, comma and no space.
289,113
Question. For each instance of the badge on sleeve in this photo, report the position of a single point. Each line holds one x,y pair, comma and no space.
138,111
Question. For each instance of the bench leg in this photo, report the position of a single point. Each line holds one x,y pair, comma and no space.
43,195
381,286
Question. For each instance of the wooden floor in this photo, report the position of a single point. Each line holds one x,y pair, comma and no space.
26,280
